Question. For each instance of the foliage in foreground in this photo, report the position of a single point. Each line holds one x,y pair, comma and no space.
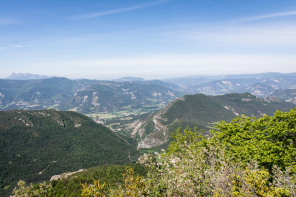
247,157
110,175
270,140
194,166
22,189
205,172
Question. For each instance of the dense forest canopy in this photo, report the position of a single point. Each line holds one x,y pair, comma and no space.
35,145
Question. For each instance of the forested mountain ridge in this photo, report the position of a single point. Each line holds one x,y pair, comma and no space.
35,145
203,112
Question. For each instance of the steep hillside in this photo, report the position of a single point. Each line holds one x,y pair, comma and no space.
35,145
200,111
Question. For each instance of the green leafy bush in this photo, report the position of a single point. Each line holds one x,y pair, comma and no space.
270,140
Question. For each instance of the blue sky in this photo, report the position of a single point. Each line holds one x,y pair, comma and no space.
104,39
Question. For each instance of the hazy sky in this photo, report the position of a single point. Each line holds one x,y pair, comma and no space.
106,39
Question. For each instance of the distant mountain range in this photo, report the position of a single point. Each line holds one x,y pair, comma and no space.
261,85
35,145
123,79
26,76
85,96
92,96
200,111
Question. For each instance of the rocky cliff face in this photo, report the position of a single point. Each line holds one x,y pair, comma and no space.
64,175
158,133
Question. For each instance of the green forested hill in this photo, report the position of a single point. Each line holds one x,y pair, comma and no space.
197,108
200,108
35,145
203,112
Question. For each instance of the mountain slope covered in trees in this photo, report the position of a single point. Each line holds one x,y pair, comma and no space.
200,111
35,145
